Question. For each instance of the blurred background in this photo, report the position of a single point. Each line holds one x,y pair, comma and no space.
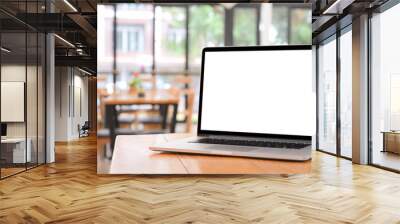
149,58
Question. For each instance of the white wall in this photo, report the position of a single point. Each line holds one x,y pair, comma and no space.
71,102
80,110
62,81
12,73
50,93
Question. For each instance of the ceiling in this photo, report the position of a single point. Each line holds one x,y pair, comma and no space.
75,21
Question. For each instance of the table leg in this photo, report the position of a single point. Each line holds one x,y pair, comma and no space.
384,142
164,115
173,121
110,123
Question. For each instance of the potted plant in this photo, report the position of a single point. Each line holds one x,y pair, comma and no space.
135,85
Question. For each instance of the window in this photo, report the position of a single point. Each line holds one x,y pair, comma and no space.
280,23
327,96
245,26
170,39
300,29
206,29
135,40
346,94
130,39
135,23
385,89
119,40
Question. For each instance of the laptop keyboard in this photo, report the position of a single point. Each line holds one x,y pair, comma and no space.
257,143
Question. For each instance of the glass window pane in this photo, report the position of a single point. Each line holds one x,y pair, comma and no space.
282,24
170,39
119,41
134,41
346,94
31,98
300,29
13,83
105,39
278,33
327,96
206,29
385,89
41,99
245,26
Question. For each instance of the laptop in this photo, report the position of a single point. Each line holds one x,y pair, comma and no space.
256,101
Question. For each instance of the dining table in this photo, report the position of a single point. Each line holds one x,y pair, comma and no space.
165,98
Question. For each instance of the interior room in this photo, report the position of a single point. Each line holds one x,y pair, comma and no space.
46,84
89,86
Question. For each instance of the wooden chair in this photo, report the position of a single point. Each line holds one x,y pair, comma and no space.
130,116
184,84
101,94
188,112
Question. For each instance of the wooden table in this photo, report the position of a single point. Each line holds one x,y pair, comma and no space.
162,97
133,156
15,149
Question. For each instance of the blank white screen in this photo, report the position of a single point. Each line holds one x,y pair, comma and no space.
269,92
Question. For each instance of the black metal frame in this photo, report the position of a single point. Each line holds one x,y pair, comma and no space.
200,131
338,98
369,115
316,97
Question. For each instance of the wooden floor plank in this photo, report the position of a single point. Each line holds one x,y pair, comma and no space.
70,191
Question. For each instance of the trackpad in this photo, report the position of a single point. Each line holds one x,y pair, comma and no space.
221,152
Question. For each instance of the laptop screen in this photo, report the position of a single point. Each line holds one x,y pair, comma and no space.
259,90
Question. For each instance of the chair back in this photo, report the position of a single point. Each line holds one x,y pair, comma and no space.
184,83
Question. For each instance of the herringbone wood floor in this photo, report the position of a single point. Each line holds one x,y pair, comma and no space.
70,191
